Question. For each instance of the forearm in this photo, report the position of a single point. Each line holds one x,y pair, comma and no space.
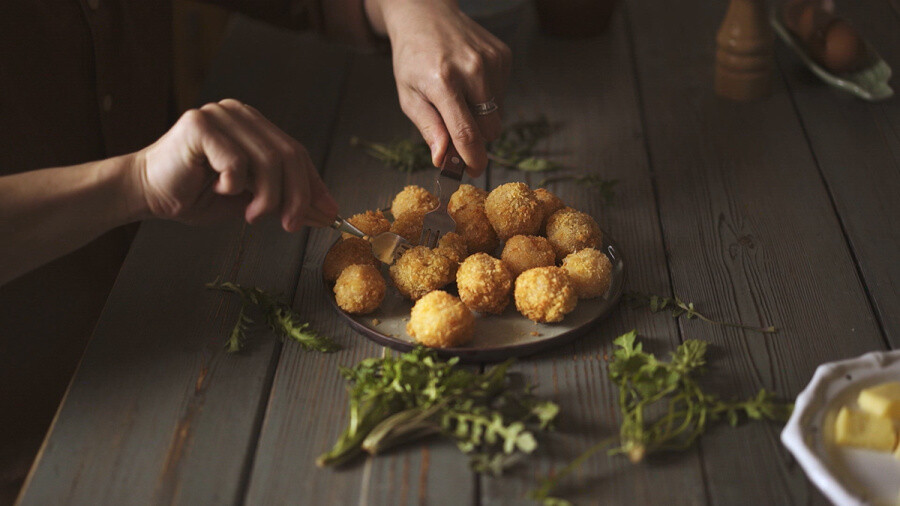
47,213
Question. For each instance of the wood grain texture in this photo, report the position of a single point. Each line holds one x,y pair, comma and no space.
308,407
857,148
588,88
157,412
752,237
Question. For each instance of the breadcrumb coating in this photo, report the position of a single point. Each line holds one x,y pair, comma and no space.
413,199
513,210
569,230
545,294
473,225
359,289
465,197
344,253
409,226
523,252
441,320
549,202
421,270
589,270
453,246
370,222
484,283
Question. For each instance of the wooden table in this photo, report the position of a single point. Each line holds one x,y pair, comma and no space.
782,211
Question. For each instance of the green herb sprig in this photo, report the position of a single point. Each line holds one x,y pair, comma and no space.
515,148
648,385
396,400
605,187
678,307
404,155
283,320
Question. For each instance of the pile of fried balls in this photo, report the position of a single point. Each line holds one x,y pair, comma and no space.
550,258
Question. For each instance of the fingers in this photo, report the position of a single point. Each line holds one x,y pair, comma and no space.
428,121
209,144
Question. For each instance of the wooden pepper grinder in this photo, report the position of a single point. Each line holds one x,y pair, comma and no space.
745,58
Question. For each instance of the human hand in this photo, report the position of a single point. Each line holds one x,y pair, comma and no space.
443,63
226,159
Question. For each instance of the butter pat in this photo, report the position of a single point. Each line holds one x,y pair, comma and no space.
881,400
862,430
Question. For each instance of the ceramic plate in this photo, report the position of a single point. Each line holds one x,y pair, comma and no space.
845,475
496,337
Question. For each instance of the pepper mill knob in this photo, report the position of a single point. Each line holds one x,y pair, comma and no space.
744,58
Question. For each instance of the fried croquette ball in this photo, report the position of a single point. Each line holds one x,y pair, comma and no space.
523,252
473,225
421,270
413,199
344,253
409,226
549,202
484,283
513,210
589,271
569,230
441,320
465,197
359,289
371,223
545,294
453,246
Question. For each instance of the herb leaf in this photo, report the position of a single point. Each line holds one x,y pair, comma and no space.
283,320
605,187
678,307
404,155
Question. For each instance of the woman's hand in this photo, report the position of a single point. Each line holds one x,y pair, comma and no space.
226,159
444,63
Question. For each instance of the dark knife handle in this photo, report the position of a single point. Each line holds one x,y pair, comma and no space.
453,167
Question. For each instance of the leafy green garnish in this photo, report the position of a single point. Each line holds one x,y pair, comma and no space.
678,307
646,386
404,155
606,187
514,148
283,320
403,399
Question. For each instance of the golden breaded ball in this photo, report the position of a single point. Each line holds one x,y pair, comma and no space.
549,202
570,230
421,270
371,223
453,246
465,197
440,320
413,199
589,271
347,252
523,252
409,226
513,210
359,289
473,225
484,283
545,294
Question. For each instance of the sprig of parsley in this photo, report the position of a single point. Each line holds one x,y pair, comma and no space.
605,187
395,400
280,318
648,385
404,155
678,307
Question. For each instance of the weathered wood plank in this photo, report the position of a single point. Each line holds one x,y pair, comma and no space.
857,148
308,406
589,87
157,411
751,236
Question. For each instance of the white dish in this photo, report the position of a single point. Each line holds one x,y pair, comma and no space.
847,476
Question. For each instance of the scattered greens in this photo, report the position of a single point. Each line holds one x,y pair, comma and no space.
283,320
648,385
604,186
678,307
403,399
515,147
404,155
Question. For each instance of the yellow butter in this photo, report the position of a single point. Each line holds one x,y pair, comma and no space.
862,430
881,400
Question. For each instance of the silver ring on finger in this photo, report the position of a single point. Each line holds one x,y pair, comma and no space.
485,108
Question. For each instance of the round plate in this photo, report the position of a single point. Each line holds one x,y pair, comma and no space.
497,337
844,475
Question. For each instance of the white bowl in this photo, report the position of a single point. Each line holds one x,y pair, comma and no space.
845,475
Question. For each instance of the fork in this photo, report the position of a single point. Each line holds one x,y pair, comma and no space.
438,222
386,246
